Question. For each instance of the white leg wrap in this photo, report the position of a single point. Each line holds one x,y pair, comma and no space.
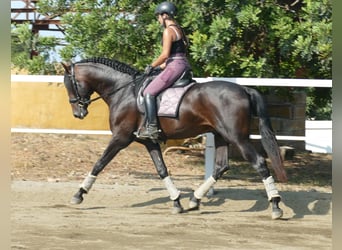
270,187
171,188
88,182
204,188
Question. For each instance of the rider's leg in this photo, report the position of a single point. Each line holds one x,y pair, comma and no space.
151,128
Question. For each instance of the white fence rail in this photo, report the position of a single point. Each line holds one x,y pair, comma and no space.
283,82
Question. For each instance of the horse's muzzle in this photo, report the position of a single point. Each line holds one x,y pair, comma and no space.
80,113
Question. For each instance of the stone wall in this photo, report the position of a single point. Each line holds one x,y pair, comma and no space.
288,117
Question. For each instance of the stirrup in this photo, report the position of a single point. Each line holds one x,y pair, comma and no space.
149,132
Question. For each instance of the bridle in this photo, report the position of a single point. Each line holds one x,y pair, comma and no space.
81,101
85,101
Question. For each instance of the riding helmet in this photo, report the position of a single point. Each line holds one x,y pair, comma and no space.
166,7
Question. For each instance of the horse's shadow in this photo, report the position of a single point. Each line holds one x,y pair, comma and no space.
301,202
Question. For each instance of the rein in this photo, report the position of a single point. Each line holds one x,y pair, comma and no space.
86,101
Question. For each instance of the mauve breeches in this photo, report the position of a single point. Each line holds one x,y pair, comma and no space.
173,70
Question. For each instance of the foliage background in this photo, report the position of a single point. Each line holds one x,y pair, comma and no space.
230,38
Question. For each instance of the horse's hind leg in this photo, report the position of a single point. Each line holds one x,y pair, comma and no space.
157,157
259,164
221,166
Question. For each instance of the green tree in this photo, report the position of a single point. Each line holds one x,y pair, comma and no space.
270,38
115,29
24,43
261,38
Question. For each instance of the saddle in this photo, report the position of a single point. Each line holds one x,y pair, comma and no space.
169,100
184,80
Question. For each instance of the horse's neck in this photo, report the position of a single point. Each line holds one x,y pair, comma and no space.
117,89
106,80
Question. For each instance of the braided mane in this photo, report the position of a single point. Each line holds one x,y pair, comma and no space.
119,66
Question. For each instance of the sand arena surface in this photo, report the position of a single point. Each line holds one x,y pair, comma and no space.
128,206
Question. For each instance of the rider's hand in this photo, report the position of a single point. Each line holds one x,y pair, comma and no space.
148,69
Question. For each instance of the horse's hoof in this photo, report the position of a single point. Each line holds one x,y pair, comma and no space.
194,204
277,214
177,210
76,200
177,206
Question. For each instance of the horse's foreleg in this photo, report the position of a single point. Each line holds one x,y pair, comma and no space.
112,149
259,164
156,155
84,189
221,166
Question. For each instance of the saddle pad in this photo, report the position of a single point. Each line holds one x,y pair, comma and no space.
170,101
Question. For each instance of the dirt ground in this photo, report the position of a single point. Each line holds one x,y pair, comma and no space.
128,207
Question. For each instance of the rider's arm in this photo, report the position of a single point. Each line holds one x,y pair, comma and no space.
166,50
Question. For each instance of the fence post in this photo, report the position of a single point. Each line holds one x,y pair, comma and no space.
209,158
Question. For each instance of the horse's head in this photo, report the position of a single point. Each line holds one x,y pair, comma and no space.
78,91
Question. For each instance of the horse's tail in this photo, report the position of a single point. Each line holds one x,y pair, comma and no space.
268,139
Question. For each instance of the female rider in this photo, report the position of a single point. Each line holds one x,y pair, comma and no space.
172,61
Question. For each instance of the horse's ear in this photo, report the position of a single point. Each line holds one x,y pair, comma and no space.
66,66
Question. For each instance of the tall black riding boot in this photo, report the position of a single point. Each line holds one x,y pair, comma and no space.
151,128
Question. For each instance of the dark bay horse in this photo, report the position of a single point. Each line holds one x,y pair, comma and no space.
222,108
